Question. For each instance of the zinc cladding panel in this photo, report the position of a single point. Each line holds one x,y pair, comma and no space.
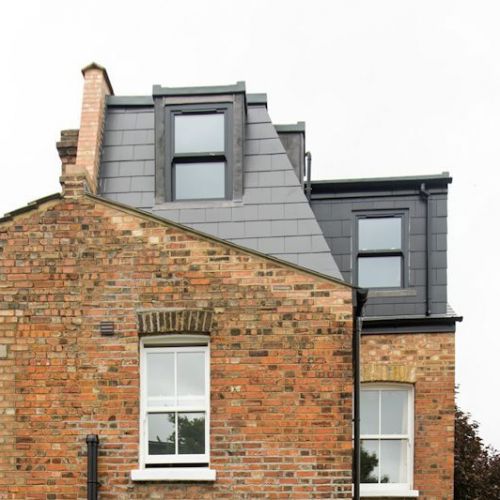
336,217
273,207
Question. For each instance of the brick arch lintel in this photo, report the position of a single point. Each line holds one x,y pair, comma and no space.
388,373
157,321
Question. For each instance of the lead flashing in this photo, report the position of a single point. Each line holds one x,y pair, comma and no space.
299,128
369,184
257,99
124,100
159,91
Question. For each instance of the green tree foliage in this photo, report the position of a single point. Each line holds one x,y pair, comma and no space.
477,468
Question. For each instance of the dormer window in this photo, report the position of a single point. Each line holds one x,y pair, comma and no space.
198,158
199,137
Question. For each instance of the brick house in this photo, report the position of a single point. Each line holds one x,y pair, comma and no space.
188,300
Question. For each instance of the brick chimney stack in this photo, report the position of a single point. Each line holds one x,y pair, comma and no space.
80,173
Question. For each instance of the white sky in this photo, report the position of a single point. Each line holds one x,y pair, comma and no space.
385,87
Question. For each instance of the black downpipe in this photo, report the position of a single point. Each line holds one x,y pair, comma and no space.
426,196
359,301
92,483
308,182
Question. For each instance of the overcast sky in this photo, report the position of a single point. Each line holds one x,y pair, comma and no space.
385,87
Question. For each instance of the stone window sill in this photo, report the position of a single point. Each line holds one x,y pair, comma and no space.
173,474
367,493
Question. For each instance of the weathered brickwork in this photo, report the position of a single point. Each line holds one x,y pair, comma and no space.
428,361
281,373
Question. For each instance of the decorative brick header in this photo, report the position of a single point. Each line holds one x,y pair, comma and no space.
388,373
175,321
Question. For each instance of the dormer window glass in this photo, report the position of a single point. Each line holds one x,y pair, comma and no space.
199,156
380,252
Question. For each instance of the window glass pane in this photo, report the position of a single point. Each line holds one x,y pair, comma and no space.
190,378
200,181
379,271
191,433
160,379
369,460
394,412
161,433
393,461
379,234
199,133
369,410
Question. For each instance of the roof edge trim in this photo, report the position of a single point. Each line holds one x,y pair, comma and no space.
122,100
159,91
32,205
299,127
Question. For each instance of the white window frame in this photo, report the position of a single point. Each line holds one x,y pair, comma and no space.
173,343
393,489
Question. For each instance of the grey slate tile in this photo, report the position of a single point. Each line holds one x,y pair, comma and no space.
257,163
271,146
117,153
319,244
132,168
120,121
117,184
270,179
286,194
192,216
272,245
230,230
280,162
145,120
251,179
289,257
257,195
217,214
291,179
132,199
246,242
308,226
245,212
260,131
134,137
147,200
109,169
298,244
257,114
254,229
144,152
142,184
113,138
297,211
149,167
252,147
207,227
271,211
284,228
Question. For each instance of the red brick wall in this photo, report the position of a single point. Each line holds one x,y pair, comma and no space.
428,362
280,358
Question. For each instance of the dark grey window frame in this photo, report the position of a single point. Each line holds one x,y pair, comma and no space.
402,252
170,158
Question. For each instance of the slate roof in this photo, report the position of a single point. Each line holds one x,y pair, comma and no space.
274,216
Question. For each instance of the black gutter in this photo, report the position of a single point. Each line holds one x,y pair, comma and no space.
426,196
92,449
308,183
359,300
